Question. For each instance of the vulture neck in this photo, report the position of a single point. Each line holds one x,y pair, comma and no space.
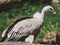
40,15
43,12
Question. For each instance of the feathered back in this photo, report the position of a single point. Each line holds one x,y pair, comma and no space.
12,25
16,21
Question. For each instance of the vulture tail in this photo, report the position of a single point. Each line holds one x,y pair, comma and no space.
3,39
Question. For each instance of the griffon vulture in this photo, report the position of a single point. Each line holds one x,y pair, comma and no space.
27,28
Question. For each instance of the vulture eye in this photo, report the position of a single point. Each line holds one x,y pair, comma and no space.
51,9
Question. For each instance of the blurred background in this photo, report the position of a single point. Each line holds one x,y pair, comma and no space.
13,9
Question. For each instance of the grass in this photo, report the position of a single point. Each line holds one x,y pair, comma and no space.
51,22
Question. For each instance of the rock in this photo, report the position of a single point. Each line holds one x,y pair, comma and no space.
17,43
7,1
56,1
50,37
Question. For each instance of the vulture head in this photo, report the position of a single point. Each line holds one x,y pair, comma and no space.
48,9
44,11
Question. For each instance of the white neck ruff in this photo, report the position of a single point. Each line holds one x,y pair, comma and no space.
38,15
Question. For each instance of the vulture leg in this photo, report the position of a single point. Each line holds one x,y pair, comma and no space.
29,39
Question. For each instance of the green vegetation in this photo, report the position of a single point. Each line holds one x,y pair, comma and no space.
51,22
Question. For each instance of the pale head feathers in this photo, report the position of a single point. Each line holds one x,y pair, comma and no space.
44,10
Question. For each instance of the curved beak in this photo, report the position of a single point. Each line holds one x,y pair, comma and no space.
54,13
